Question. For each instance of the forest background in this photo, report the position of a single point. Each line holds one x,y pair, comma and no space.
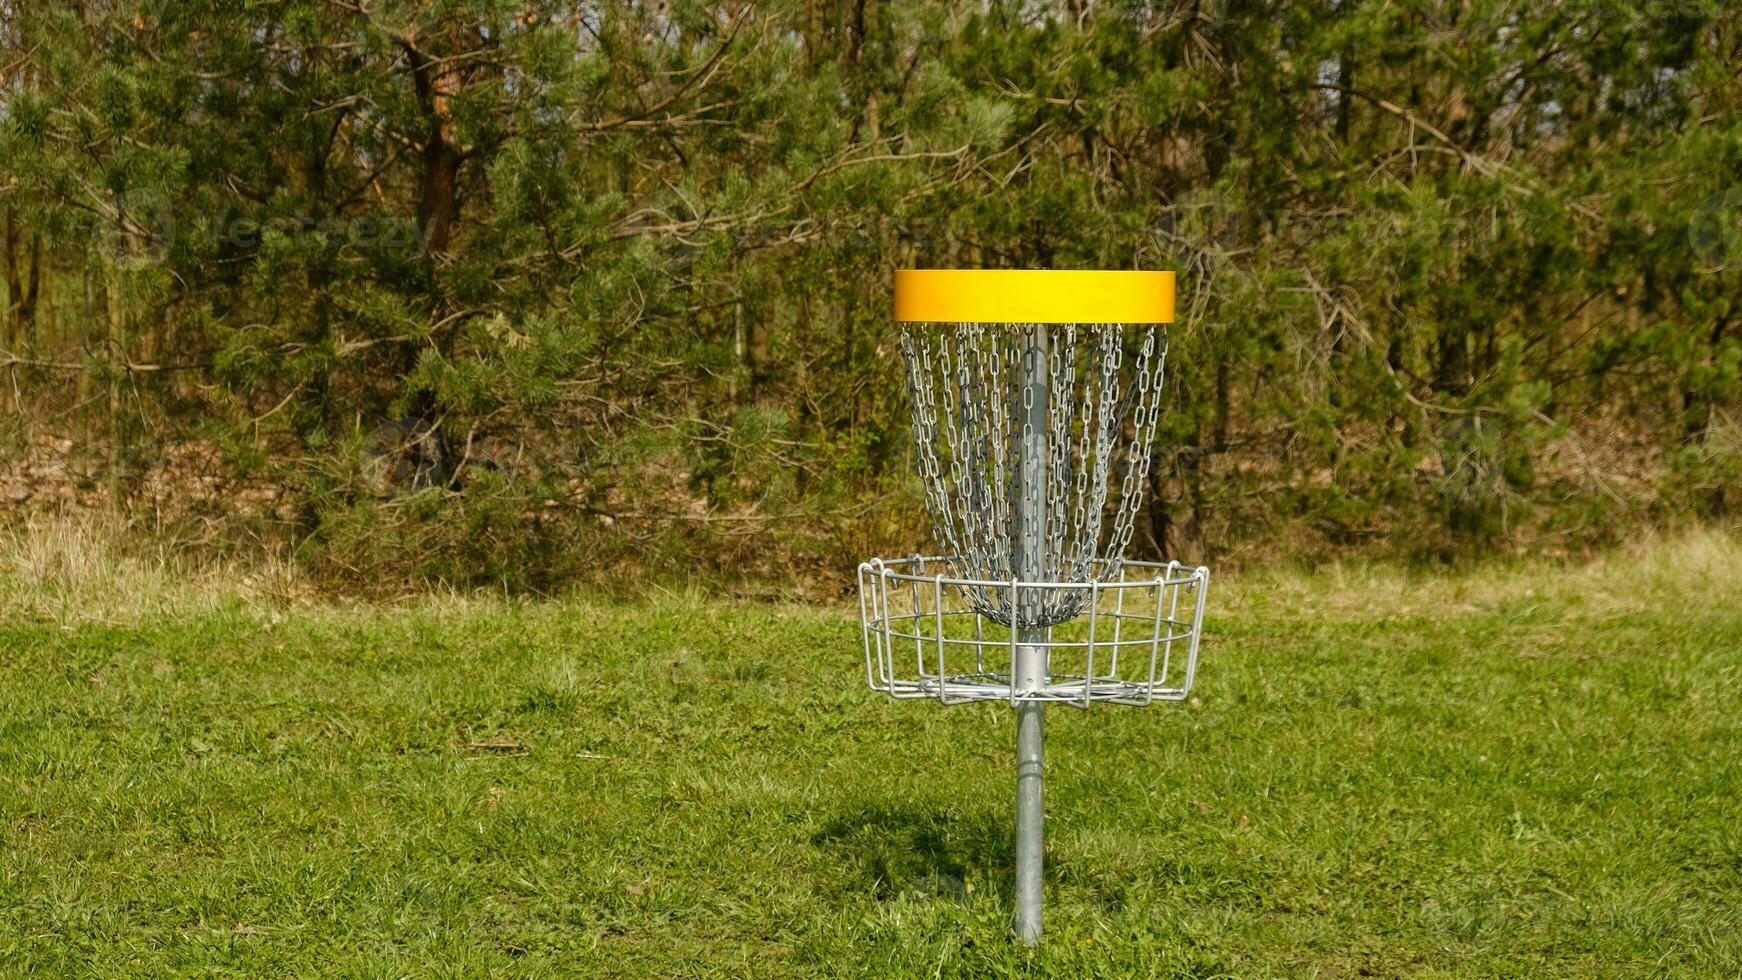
524,294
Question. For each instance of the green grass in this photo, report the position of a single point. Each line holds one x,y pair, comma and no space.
1525,772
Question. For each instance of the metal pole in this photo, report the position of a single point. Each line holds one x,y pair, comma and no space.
1030,669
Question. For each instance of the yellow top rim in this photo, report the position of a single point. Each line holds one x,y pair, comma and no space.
1032,296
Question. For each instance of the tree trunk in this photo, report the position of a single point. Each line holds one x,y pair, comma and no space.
438,193
9,266
82,393
113,348
1452,367
438,200
1163,529
1219,422
24,328
1696,404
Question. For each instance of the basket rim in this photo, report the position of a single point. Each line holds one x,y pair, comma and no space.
891,570
1023,296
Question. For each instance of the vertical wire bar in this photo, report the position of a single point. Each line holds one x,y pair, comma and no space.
1118,625
1154,644
1203,577
917,616
1172,617
979,643
885,644
865,626
1013,635
1089,664
938,616
891,588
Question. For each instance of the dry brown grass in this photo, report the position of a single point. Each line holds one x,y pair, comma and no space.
1682,570
85,566
81,566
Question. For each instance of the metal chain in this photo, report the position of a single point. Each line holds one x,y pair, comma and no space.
971,458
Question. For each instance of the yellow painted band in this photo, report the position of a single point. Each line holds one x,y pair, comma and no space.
1032,296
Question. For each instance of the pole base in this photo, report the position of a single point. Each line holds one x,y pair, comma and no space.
1030,819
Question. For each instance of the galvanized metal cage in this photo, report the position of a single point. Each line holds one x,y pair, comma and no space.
1135,641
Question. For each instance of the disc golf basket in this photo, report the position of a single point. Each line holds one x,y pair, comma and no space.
1034,397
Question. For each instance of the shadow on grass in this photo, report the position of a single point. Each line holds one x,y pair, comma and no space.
892,850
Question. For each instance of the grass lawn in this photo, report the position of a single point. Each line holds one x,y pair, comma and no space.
1530,771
